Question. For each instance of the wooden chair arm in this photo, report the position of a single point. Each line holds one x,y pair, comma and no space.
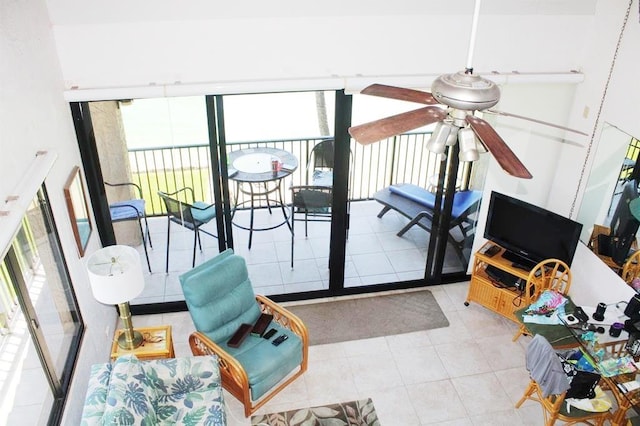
229,367
285,318
234,378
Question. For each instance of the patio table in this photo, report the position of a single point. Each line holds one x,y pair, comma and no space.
253,171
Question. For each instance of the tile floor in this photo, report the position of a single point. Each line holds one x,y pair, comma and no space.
469,373
375,254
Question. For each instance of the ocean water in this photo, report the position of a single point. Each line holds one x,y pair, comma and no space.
182,121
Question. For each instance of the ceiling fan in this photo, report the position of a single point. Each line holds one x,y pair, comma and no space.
462,93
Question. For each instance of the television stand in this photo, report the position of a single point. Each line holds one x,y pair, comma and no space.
486,291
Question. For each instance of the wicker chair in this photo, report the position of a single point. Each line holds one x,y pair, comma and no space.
550,394
631,268
550,274
220,299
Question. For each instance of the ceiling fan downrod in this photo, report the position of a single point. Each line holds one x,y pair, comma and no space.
472,38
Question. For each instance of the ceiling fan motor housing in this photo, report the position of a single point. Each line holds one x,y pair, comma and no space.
468,92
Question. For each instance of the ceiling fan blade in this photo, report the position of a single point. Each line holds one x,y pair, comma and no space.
508,114
498,148
396,124
400,93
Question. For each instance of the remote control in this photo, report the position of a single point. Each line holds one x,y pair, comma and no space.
492,251
261,324
269,333
279,340
238,337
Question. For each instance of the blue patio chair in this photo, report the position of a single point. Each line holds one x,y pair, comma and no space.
132,209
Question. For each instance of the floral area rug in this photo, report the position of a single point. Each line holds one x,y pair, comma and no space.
351,413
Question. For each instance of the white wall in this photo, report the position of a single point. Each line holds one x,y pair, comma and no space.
210,49
617,109
34,116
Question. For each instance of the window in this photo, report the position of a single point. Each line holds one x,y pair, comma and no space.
40,323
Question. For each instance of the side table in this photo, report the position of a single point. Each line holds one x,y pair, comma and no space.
157,344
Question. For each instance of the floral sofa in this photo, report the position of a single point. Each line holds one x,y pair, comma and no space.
176,391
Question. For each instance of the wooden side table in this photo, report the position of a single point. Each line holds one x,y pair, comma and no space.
157,344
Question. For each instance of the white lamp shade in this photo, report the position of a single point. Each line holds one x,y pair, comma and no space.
115,274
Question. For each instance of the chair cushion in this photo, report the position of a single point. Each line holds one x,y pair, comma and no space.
312,201
203,212
129,397
322,178
186,388
125,210
219,296
264,363
462,200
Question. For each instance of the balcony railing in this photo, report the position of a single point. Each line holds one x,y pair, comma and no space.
402,158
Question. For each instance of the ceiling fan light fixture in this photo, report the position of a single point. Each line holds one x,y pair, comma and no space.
468,145
453,136
437,143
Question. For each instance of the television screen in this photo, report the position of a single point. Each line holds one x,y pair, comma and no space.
530,233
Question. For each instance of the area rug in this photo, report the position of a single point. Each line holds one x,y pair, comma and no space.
371,316
351,413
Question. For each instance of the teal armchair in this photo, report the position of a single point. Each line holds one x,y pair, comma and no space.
220,298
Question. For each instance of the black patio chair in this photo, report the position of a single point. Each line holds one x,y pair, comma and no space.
185,211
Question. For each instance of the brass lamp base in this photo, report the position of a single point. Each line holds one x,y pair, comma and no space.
129,339
135,341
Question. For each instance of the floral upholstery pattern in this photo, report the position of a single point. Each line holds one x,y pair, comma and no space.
177,391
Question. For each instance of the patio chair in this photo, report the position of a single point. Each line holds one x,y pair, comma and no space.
319,170
310,204
221,301
185,211
416,204
132,209
631,268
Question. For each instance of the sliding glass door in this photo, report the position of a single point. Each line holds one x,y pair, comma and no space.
224,147
285,254
398,236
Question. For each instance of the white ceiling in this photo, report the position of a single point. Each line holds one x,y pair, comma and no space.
73,12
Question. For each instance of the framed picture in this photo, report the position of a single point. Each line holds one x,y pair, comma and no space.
78,209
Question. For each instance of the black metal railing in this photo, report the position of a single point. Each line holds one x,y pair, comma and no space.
402,158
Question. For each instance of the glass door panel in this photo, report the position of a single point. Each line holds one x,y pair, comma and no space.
41,326
285,127
385,245
165,145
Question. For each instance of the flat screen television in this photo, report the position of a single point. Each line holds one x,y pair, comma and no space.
530,233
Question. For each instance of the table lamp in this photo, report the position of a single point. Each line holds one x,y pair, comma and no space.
115,275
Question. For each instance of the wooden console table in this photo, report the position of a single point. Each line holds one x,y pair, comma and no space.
486,292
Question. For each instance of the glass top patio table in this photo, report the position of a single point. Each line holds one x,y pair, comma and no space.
253,171
255,164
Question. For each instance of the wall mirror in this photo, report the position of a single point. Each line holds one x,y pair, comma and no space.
76,199
612,167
